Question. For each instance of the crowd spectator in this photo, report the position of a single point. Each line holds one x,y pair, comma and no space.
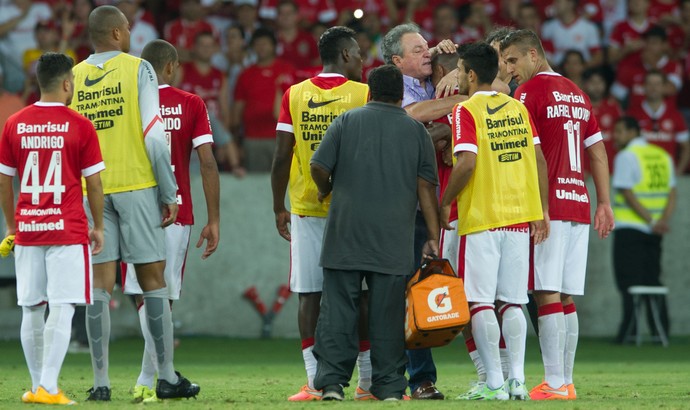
246,14
446,25
9,102
661,123
182,31
528,18
573,66
295,45
626,37
141,31
79,41
18,19
253,111
311,11
569,30
604,107
629,85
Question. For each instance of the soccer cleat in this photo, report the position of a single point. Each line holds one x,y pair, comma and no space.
333,392
572,394
28,397
141,393
483,392
476,386
99,394
361,394
546,392
42,396
182,389
306,394
517,390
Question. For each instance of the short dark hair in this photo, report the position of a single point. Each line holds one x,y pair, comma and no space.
524,40
449,61
386,84
630,123
51,69
102,20
480,58
655,31
159,53
203,33
333,41
263,32
498,34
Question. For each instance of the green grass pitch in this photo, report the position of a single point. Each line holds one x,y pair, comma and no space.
236,373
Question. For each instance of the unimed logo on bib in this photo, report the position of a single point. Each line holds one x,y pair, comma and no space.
439,300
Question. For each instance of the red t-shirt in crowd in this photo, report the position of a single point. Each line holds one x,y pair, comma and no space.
206,86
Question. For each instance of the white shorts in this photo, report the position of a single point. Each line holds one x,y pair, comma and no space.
448,246
176,245
495,265
306,276
55,274
560,262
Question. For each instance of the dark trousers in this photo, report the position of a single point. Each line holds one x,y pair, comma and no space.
337,343
637,262
420,365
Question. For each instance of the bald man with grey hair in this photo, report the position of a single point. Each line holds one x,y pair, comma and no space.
119,94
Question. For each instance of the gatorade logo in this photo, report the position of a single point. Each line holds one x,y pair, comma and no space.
439,300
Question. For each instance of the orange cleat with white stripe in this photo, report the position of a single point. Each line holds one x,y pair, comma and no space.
306,394
546,392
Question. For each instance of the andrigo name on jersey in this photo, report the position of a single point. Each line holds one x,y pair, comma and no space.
41,227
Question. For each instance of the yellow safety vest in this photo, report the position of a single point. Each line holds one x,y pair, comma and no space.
652,191
313,109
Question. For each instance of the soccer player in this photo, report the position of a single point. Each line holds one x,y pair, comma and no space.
494,141
187,127
119,94
51,147
308,108
566,125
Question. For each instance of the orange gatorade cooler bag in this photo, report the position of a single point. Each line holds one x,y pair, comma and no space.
436,307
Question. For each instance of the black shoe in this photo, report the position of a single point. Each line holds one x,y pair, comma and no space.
333,392
99,394
183,388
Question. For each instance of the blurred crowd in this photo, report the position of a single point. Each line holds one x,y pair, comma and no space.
240,56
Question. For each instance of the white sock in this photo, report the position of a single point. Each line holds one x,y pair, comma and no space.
364,369
476,359
56,336
552,342
98,331
31,333
309,360
486,335
505,358
515,333
572,331
148,361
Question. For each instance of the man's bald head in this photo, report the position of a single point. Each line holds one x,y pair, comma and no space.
102,21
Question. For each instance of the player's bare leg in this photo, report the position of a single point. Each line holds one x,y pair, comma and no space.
98,328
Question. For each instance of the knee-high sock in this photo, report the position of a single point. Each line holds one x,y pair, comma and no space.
309,360
572,331
552,342
364,365
56,336
476,359
503,353
98,330
515,333
148,361
159,319
31,333
486,334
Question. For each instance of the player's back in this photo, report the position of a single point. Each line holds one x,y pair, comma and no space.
566,126
50,145
186,127
312,105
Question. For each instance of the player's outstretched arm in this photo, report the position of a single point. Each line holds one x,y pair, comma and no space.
211,183
94,194
280,176
603,216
